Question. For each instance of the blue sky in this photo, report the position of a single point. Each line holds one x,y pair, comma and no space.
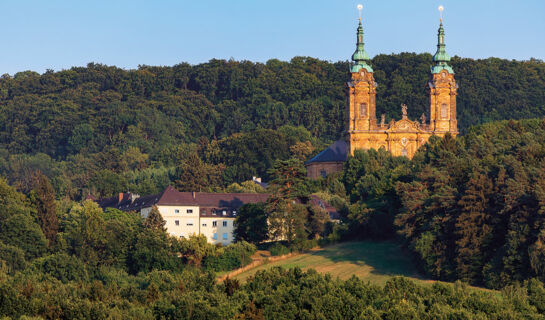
58,34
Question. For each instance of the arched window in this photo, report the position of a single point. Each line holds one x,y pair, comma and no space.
444,111
363,109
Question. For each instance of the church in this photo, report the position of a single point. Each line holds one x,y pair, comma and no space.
402,137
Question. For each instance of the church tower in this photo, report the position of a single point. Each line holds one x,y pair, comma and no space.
361,115
402,137
442,89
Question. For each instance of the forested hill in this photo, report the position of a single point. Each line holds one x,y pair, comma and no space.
106,118
59,112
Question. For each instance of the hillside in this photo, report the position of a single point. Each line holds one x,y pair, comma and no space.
372,261
102,129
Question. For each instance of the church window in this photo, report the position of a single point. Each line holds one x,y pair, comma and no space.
363,109
404,152
444,111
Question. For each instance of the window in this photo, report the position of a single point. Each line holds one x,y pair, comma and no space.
176,211
224,212
203,211
181,235
363,109
204,224
444,111
190,224
215,236
177,222
225,236
323,173
189,210
225,223
214,223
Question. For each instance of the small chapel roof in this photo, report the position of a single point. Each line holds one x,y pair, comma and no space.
337,152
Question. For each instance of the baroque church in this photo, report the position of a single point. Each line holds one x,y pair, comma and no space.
402,137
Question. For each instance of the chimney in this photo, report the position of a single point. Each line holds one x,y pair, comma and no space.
194,195
120,197
133,196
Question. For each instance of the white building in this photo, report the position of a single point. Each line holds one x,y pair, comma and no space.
187,213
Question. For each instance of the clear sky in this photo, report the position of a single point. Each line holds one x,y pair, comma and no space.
58,34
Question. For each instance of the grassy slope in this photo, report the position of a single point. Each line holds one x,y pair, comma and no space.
373,261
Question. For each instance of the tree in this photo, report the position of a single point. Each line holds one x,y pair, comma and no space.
302,150
195,175
473,229
18,227
44,201
287,178
84,229
287,218
154,220
195,249
317,220
251,223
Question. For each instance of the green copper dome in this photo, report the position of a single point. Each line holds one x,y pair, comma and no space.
441,57
360,57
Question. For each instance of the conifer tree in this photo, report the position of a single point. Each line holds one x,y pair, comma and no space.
473,229
154,220
44,200
286,218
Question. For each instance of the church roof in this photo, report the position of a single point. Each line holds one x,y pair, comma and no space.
337,152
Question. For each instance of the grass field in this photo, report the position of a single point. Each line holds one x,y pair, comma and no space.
372,261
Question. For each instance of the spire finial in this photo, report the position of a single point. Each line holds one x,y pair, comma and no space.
360,7
441,58
360,57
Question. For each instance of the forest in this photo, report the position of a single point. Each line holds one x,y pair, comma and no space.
469,210
100,129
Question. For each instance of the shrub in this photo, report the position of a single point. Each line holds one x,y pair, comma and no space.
233,256
278,249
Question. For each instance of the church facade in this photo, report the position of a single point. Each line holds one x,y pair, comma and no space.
402,137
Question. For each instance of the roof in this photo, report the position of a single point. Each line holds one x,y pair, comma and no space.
337,152
170,196
331,210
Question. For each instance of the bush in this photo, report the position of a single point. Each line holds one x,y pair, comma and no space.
278,249
233,256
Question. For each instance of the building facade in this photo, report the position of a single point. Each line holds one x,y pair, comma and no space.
190,213
194,213
402,137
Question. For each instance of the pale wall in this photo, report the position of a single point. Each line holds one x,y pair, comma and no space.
219,229
201,225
